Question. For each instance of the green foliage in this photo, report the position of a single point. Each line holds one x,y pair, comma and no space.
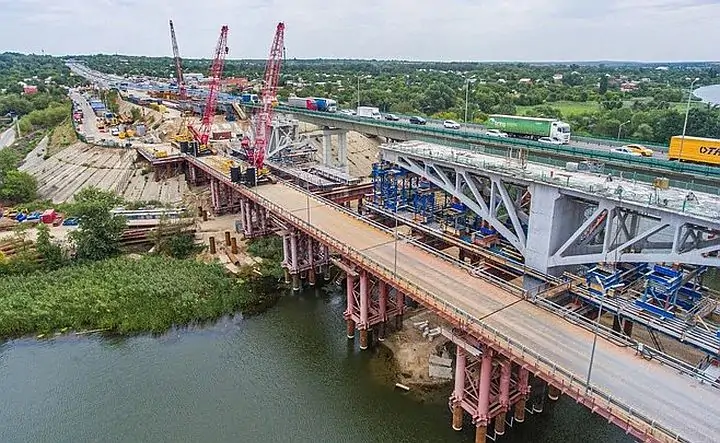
122,295
136,113
51,252
17,187
182,245
99,231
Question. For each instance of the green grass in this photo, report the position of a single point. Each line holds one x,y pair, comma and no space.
566,107
123,295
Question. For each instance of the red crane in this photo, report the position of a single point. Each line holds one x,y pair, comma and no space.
268,97
203,135
182,92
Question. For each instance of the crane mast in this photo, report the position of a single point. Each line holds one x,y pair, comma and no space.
256,154
182,92
216,69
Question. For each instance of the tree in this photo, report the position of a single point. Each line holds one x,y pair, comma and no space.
644,132
603,85
135,113
51,252
438,97
18,187
99,231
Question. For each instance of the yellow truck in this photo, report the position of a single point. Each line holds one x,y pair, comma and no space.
695,149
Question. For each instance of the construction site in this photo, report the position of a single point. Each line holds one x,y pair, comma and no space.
621,258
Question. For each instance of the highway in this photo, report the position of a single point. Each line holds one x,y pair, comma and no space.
103,80
7,138
676,401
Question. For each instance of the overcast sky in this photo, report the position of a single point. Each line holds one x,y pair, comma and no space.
527,30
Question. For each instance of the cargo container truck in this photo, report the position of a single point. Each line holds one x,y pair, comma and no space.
326,104
303,102
249,98
369,112
695,149
530,127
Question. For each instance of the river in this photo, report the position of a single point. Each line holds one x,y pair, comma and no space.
287,375
709,94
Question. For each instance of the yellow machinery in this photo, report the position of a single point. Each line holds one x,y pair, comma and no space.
122,135
183,134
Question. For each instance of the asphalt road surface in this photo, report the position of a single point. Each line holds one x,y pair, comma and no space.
7,138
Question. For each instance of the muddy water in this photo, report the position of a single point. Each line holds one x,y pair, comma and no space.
289,375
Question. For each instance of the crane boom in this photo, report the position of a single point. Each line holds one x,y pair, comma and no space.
182,92
216,70
268,97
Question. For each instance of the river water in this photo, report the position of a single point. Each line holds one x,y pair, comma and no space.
710,94
288,375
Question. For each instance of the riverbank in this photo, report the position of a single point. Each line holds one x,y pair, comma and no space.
126,295
412,350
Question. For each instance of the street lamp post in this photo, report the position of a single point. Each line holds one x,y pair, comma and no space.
597,327
687,113
396,239
358,90
620,128
467,94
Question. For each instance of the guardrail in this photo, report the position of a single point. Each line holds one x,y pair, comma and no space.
571,151
566,379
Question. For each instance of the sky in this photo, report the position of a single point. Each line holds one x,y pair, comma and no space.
476,30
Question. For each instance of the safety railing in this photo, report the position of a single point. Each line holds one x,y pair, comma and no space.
499,340
569,151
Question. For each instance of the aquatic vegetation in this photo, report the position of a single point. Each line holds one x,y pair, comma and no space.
122,295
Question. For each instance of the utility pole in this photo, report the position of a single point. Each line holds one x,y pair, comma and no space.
467,94
358,90
687,113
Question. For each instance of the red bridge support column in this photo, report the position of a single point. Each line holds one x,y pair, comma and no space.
286,256
311,261
400,301
350,284
483,406
364,302
294,261
505,367
459,391
382,307
524,388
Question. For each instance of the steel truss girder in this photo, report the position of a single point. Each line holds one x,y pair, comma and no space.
470,188
629,235
284,135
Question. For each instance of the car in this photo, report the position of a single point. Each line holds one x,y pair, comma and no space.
451,124
625,151
415,120
495,133
392,117
550,141
640,149
347,112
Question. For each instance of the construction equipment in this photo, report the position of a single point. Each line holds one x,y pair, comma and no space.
182,92
257,150
202,135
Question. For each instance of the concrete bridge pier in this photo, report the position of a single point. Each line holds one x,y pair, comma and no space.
341,162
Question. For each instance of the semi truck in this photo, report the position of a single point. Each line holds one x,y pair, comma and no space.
303,102
530,127
325,104
695,149
369,112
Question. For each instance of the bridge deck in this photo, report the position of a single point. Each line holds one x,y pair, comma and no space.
676,401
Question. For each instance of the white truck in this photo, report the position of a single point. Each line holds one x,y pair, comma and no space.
369,112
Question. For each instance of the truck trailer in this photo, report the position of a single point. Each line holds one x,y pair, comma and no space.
530,127
325,104
695,149
369,112
303,102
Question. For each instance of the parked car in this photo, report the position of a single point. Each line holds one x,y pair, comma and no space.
415,120
640,149
495,133
550,141
625,151
392,117
451,124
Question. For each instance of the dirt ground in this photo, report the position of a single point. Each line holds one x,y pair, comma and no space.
411,351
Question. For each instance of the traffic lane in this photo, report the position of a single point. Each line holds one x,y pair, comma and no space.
629,378
7,138
89,124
